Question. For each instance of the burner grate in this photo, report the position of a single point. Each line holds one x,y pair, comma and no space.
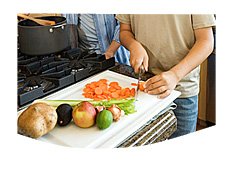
39,76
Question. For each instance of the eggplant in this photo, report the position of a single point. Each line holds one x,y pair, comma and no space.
64,113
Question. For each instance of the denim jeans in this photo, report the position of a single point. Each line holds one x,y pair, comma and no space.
186,115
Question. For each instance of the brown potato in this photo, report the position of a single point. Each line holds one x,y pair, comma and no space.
37,120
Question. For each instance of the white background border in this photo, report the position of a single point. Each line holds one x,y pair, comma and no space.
207,148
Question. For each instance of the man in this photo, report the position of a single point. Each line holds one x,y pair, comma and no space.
172,47
98,33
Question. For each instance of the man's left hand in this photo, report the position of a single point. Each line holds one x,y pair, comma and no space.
162,84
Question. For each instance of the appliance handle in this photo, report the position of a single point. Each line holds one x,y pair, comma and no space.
62,26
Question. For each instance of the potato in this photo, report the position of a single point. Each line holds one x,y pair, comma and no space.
37,120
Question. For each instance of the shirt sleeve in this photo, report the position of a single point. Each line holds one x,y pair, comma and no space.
203,21
123,18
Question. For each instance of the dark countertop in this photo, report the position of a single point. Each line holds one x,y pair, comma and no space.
160,133
128,71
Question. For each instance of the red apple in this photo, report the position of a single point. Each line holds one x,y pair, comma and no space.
84,114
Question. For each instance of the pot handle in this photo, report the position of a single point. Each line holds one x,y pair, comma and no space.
51,30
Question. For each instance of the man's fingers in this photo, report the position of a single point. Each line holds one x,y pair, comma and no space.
164,95
152,80
137,67
158,90
154,85
145,63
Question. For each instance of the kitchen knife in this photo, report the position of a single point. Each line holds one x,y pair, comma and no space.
140,74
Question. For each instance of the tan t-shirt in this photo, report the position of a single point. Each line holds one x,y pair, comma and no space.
167,40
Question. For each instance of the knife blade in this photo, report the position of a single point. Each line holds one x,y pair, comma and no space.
140,74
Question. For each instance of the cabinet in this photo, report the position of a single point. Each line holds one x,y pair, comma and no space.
207,95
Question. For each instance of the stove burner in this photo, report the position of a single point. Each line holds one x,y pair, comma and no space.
30,88
76,70
33,81
76,65
39,76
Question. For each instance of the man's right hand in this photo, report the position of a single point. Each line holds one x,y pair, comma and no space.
138,57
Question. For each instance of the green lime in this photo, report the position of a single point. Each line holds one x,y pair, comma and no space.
104,119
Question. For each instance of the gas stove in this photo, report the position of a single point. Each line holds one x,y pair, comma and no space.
39,76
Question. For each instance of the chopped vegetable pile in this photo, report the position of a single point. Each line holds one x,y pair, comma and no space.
105,94
102,90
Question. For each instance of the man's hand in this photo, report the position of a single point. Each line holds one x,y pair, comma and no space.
108,54
113,47
162,84
138,57
138,54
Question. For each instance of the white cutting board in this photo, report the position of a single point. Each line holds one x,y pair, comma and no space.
93,137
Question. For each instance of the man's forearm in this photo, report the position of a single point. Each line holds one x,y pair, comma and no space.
127,39
138,55
113,47
199,52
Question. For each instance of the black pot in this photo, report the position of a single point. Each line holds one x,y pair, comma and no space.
35,39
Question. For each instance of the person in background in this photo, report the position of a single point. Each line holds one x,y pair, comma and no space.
172,47
97,33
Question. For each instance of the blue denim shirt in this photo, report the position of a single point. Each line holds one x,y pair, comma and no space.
107,28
